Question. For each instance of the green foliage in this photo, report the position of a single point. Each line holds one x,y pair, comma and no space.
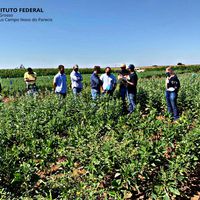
80,149
14,73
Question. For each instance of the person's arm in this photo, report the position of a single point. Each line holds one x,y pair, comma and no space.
177,84
95,80
120,76
101,83
114,83
35,76
130,81
54,87
81,78
25,78
74,77
54,84
167,82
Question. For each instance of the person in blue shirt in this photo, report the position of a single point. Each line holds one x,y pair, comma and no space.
76,80
109,82
60,82
95,83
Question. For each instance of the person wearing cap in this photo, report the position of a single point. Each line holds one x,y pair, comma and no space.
172,87
132,80
109,82
123,85
30,78
95,83
60,82
76,80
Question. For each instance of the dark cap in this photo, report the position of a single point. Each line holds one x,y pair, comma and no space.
131,66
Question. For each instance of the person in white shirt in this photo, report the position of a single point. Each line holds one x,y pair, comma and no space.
76,80
109,82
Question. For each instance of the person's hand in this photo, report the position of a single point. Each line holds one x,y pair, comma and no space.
127,77
120,76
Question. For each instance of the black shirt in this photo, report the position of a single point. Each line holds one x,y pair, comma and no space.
134,80
174,82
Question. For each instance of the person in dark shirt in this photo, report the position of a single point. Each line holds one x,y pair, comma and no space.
171,93
132,80
123,85
95,83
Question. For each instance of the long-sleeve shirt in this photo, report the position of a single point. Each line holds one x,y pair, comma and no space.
95,82
173,82
76,80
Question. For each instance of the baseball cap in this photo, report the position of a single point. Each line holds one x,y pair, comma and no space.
131,66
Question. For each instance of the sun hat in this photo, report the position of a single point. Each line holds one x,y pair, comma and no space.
123,66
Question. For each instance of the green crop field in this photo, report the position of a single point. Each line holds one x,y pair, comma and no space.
80,149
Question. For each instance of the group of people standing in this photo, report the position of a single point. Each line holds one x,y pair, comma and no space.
106,84
100,85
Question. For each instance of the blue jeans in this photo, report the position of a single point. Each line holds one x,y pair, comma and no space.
95,93
172,108
132,101
76,91
123,93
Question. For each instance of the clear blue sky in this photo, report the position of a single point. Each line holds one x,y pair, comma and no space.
104,32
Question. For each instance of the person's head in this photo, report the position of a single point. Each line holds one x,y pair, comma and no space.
96,69
30,70
169,71
123,66
108,70
61,69
131,68
75,68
